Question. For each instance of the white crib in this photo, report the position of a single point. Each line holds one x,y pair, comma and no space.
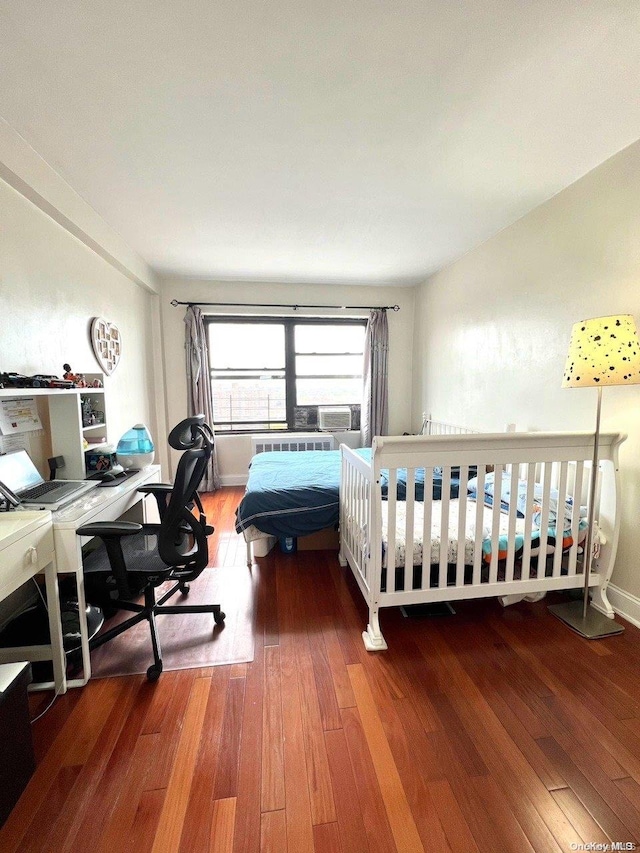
399,554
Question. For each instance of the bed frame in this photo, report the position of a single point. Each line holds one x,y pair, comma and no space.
553,460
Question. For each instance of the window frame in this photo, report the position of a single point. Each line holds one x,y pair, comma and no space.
289,324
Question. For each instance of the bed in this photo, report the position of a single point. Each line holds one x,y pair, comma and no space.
294,494
517,531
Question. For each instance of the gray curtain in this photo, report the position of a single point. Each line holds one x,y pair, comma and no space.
199,400
375,403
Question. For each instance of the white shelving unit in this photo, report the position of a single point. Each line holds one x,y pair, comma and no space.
66,422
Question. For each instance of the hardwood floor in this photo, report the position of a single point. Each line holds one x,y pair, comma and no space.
490,730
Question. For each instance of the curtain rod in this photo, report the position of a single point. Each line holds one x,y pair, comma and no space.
175,302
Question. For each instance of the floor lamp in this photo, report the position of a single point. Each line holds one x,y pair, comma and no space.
602,351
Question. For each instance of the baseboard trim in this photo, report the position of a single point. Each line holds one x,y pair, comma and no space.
233,480
625,604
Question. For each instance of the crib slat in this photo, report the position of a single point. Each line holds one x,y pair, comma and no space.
560,525
477,548
409,527
363,491
513,508
391,528
528,521
575,518
426,528
544,520
444,526
462,525
495,523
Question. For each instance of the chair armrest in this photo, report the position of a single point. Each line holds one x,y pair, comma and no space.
161,492
109,528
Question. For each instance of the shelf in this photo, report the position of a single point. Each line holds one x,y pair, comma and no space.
41,392
65,419
9,393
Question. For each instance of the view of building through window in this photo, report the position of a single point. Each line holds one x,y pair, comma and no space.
262,371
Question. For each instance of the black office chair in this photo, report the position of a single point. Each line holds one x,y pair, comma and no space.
181,551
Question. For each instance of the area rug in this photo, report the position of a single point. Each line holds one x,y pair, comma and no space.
191,640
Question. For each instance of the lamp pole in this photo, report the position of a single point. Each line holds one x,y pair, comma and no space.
592,506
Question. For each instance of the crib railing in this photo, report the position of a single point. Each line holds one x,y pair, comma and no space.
396,558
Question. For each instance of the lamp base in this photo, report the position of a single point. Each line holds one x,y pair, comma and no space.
594,626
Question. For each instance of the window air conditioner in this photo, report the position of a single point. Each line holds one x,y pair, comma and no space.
334,418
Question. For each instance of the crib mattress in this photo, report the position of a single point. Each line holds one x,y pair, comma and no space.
433,557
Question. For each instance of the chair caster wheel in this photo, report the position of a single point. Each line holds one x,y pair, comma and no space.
184,588
219,617
153,673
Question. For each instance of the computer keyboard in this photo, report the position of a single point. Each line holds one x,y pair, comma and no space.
38,491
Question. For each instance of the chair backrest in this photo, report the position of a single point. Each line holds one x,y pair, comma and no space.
182,538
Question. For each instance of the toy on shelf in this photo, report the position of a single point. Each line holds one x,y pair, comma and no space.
77,378
40,380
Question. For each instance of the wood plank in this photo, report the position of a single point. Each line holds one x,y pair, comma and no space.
246,838
222,825
587,828
91,829
273,832
374,814
199,813
167,836
170,730
326,839
146,821
320,790
455,826
349,816
631,790
118,828
595,804
45,818
91,776
543,822
299,823
512,838
272,776
401,820
225,785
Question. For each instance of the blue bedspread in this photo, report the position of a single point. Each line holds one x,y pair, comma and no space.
292,493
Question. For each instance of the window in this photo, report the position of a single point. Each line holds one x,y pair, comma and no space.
272,374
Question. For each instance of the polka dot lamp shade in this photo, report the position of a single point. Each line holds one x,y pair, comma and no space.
603,351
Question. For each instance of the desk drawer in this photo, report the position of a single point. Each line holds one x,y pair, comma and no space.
25,558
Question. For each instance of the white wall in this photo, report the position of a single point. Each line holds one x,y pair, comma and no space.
493,329
54,277
61,265
234,452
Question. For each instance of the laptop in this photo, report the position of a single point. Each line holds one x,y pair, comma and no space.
18,472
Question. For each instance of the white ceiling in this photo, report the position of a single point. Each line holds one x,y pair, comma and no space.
364,141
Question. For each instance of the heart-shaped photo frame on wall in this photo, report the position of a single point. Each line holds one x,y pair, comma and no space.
106,343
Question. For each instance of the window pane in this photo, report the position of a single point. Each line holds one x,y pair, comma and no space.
323,392
246,345
329,338
246,400
329,365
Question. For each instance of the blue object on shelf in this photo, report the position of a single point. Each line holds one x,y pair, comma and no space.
135,449
288,544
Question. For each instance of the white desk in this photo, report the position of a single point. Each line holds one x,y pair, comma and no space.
101,504
26,548
45,541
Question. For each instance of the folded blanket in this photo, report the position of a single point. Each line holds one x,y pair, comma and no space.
521,499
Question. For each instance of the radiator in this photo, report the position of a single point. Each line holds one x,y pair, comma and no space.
303,441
